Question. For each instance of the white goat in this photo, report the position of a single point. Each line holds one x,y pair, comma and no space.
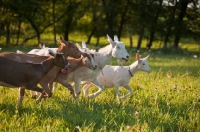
116,76
115,49
43,51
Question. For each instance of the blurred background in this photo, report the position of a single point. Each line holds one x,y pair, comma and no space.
168,25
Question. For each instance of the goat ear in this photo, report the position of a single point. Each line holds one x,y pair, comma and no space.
116,38
52,53
84,45
111,41
78,46
62,41
40,45
59,40
137,56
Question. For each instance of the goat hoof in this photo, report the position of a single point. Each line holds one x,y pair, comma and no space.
73,95
91,96
50,95
37,101
45,97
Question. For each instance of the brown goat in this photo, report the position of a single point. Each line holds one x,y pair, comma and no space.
28,75
85,60
68,48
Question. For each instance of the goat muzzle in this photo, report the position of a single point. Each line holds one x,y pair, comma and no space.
63,71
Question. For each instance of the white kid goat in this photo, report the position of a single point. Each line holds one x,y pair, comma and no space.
116,76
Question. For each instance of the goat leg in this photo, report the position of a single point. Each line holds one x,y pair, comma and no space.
117,92
40,97
99,85
46,88
21,97
86,88
127,87
67,85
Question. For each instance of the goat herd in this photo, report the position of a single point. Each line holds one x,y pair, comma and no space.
66,64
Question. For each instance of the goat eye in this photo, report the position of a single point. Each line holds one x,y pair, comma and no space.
118,47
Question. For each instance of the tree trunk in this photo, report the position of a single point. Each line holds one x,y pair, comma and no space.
122,22
67,27
170,24
131,42
179,25
151,38
66,35
91,34
153,26
35,28
142,17
54,26
7,34
97,44
18,32
141,34
109,17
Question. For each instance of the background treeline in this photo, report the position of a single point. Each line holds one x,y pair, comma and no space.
166,21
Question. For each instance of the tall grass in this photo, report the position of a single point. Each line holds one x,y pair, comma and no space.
166,99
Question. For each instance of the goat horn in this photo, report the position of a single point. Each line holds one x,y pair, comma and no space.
147,57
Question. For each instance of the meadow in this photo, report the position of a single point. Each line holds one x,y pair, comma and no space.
165,100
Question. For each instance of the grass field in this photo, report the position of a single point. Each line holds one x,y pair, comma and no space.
165,100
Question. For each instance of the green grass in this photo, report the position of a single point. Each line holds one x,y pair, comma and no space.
167,99
187,44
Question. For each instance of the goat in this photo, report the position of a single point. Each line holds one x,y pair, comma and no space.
74,65
85,60
116,76
28,75
68,48
115,49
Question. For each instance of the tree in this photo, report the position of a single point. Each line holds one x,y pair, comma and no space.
141,20
179,22
169,22
74,10
157,5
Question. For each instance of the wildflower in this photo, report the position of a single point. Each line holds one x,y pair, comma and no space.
130,128
136,113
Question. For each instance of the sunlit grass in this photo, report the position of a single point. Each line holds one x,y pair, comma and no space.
77,37
166,99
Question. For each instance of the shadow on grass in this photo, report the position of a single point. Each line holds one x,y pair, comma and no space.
75,115
106,114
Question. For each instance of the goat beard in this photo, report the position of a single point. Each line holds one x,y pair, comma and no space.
120,62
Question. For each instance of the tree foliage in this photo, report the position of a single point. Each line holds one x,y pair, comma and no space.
166,21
